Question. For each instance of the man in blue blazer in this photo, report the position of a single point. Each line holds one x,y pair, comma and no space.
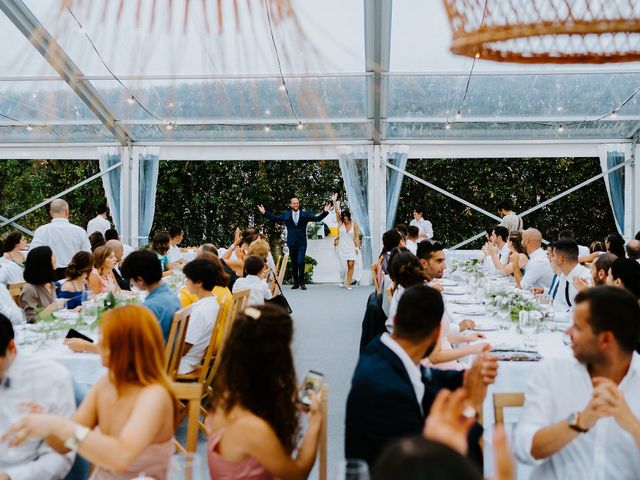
296,222
391,393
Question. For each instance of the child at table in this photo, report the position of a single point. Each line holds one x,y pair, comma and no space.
255,271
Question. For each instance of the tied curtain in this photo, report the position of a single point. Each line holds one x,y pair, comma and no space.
354,168
149,165
397,157
108,157
612,156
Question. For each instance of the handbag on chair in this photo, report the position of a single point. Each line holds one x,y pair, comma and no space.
279,299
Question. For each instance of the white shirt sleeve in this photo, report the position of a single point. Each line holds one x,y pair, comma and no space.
266,290
39,238
536,414
9,308
86,245
429,229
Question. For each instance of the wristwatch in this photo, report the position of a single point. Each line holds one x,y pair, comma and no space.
74,440
574,423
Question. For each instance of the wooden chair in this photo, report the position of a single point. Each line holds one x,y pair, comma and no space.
15,290
274,276
505,400
283,268
190,394
175,343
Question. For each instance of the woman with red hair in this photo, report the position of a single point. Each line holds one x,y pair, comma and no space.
126,423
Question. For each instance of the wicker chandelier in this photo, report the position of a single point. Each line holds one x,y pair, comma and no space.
546,31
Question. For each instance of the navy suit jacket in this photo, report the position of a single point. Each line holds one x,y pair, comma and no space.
296,234
382,405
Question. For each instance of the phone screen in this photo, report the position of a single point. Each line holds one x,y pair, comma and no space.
312,382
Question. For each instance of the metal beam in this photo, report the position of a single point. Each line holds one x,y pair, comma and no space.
377,33
50,49
16,226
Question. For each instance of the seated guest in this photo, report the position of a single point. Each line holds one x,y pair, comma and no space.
174,256
144,272
236,254
402,228
405,271
254,418
96,239
510,220
498,247
580,417
75,286
565,257
424,226
597,246
12,262
9,308
515,247
220,289
125,424
118,251
201,276
412,238
254,272
614,243
567,234
625,273
39,291
211,248
538,273
27,379
112,234
633,250
160,246
102,279
391,393
599,271
390,240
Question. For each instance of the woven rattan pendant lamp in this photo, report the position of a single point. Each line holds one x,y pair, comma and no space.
546,31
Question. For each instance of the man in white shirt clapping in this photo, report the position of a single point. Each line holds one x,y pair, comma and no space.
580,417
538,273
63,237
425,227
31,382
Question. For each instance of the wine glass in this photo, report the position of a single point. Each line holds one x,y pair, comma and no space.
529,322
504,312
353,469
90,314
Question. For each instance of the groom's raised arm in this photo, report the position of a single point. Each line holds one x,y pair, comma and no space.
318,217
270,216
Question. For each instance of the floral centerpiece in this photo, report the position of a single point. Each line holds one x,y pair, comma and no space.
515,299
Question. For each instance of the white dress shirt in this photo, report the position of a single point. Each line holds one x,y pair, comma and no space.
413,370
64,238
583,251
48,384
203,317
411,246
424,226
393,308
538,271
558,388
98,224
10,272
567,289
504,253
9,308
260,291
174,254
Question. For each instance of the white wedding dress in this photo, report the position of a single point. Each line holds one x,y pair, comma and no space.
346,245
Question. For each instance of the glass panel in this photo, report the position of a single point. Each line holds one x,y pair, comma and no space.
57,133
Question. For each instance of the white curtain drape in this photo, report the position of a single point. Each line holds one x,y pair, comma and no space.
354,168
108,157
610,156
149,164
397,157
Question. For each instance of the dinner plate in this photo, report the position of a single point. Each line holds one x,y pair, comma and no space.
486,327
453,292
447,283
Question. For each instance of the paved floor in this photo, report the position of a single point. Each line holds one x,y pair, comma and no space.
326,338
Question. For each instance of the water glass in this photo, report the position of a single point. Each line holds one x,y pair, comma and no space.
353,469
504,316
529,323
90,314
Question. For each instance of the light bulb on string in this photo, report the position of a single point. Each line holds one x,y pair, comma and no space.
267,128
131,100
170,104
458,115
282,88
267,112
614,114
300,126
448,126
477,55
560,129
29,127
169,126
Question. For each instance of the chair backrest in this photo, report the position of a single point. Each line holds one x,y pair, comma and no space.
214,345
283,268
175,343
374,274
505,400
189,394
15,290
274,275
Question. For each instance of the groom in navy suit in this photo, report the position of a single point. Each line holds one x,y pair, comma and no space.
296,222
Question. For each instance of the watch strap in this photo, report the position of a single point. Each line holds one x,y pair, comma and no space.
574,423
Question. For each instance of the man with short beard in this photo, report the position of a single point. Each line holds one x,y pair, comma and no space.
578,419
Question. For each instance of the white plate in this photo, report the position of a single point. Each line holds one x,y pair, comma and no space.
453,292
447,283
486,327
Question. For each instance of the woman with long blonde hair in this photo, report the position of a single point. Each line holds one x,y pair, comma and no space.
126,423
102,278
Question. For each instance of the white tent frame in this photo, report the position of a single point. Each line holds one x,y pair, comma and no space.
377,48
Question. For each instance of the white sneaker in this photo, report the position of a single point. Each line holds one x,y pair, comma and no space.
349,288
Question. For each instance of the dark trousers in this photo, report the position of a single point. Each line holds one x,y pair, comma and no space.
297,263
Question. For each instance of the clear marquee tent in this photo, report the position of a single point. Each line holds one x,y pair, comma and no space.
371,83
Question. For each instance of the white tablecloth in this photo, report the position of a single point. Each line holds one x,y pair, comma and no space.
512,376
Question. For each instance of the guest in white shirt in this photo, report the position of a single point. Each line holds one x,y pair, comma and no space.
63,237
9,308
254,272
100,223
567,234
31,380
112,234
565,257
425,227
411,242
498,247
580,417
625,273
174,256
201,278
538,272
510,219
12,262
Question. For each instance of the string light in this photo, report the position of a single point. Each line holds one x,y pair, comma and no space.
170,104
560,129
169,126
614,115
448,126
282,88
267,112
29,127
559,109
478,55
131,100
300,126
458,115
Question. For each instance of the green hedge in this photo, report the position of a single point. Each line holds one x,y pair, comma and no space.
209,199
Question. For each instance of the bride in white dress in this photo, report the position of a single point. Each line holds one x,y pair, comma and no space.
348,243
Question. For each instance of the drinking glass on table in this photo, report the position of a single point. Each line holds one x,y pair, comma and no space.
504,314
529,323
353,469
90,314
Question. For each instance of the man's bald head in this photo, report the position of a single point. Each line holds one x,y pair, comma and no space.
59,208
633,249
117,248
531,239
